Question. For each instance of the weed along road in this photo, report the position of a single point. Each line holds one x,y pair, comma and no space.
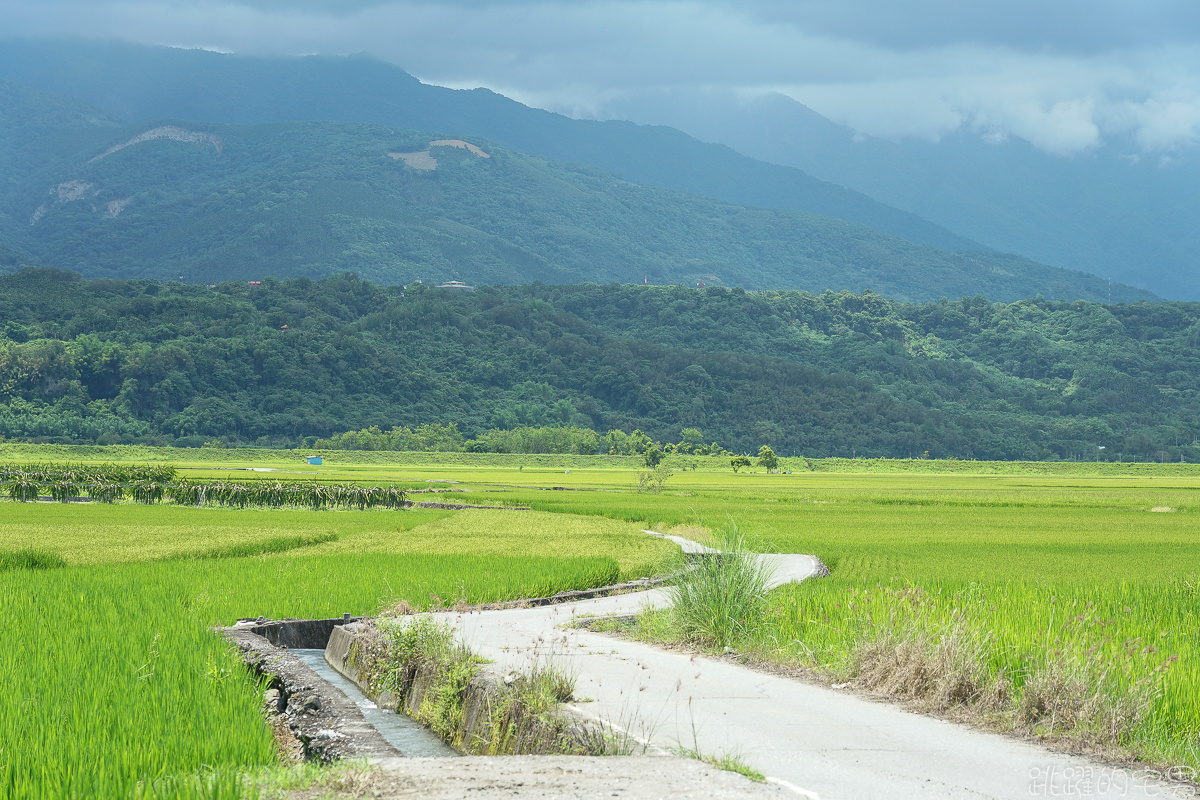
815,740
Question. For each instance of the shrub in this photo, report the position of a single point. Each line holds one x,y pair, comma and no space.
719,597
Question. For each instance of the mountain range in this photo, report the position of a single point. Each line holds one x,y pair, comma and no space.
137,83
207,202
275,191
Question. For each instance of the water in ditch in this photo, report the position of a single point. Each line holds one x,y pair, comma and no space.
407,735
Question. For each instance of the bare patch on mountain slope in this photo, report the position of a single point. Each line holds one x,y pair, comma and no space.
115,207
423,159
66,192
75,191
70,191
172,132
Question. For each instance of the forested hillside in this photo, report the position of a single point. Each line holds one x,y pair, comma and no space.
829,374
205,203
139,83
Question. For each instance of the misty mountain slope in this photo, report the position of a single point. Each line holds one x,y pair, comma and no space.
40,131
139,83
205,202
1113,212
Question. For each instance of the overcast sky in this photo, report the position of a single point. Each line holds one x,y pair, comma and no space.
1064,74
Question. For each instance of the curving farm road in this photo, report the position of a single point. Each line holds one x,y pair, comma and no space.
814,740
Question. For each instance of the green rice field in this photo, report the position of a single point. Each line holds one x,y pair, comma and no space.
96,534
117,666
118,682
1038,566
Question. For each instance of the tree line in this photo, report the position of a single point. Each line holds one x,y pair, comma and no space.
551,439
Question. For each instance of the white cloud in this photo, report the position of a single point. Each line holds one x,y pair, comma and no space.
1162,124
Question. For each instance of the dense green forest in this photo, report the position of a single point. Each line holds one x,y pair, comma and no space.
831,374
206,203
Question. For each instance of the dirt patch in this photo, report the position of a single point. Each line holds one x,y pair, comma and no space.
545,778
289,748
1162,509
115,207
460,506
424,161
171,132
70,191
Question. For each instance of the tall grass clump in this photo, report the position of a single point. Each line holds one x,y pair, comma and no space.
717,598
424,645
518,715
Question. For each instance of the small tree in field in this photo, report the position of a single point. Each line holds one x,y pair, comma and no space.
654,456
652,481
767,458
737,462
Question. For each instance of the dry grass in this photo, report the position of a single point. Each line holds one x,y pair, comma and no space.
1081,698
1073,698
942,668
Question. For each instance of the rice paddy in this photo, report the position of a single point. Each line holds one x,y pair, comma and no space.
116,663
117,684
1089,576
100,534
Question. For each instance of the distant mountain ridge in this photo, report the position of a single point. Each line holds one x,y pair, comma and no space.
138,83
1116,211
202,202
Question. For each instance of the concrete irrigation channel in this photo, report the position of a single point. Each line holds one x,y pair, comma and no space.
809,740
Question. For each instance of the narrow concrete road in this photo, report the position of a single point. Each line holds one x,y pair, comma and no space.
820,742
